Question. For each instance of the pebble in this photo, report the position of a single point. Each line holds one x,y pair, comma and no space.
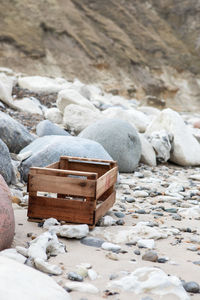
110,247
92,241
146,243
140,211
74,276
112,256
162,260
196,263
119,214
130,200
192,248
191,287
140,194
120,222
171,210
176,217
137,252
150,256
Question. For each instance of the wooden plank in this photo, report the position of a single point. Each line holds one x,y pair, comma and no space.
59,172
104,207
61,209
87,159
55,165
63,185
64,164
100,169
106,181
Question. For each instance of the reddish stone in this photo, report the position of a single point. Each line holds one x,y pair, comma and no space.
196,124
7,222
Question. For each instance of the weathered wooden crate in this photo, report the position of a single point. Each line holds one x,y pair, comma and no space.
75,190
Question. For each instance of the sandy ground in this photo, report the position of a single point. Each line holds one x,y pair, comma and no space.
78,253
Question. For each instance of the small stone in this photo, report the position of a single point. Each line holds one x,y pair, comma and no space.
146,243
120,222
110,247
147,298
140,194
113,276
92,241
176,217
171,210
150,256
112,256
196,263
74,276
130,200
192,248
162,260
140,211
191,287
119,214
137,252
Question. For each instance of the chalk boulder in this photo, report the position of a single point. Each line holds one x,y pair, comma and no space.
185,147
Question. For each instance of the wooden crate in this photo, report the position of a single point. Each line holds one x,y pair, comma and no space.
82,190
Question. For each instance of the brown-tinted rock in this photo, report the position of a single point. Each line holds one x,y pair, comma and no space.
7,223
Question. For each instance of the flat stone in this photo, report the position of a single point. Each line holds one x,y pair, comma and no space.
92,241
130,200
162,260
150,256
119,214
74,276
171,210
191,287
137,252
140,211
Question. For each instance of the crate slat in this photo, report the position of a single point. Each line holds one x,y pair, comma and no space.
61,209
106,181
65,185
104,206
55,165
59,172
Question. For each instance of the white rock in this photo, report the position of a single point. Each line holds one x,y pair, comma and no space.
110,247
50,222
146,243
82,287
54,115
44,85
46,242
148,155
133,116
19,282
13,254
107,221
161,142
195,177
92,274
191,212
45,267
72,231
185,148
77,117
151,280
6,85
71,96
175,187
138,194
30,105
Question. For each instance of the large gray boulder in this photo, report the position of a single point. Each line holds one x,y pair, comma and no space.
120,140
6,168
48,149
46,127
14,134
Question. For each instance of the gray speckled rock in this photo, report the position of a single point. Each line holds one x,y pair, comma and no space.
48,149
119,138
14,134
46,127
191,287
6,168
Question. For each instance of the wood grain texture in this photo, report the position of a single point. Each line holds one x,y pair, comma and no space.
106,181
104,207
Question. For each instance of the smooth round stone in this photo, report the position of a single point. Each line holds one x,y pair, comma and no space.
74,276
130,200
192,248
119,214
176,217
196,263
191,287
150,256
120,222
157,213
137,252
92,241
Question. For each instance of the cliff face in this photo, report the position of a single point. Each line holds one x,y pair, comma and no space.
143,47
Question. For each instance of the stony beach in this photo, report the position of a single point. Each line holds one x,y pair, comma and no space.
147,246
